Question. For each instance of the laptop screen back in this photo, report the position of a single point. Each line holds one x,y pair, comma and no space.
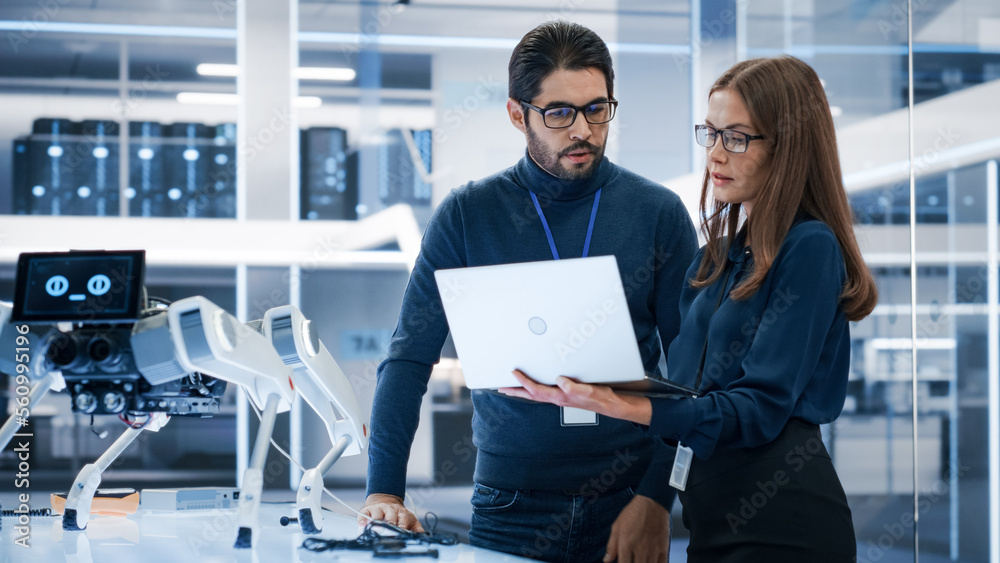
550,318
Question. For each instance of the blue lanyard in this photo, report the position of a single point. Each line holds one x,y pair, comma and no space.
548,232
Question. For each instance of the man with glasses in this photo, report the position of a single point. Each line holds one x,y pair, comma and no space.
547,486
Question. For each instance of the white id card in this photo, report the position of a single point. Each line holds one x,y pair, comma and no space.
572,416
682,466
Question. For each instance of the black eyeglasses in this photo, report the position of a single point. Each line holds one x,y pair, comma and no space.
561,117
732,140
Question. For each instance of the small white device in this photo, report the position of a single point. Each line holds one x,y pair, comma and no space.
195,498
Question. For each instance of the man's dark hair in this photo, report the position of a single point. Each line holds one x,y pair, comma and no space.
555,45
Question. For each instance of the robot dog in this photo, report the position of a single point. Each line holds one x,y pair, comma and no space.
82,321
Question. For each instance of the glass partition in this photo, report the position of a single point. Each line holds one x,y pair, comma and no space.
956,145
913,444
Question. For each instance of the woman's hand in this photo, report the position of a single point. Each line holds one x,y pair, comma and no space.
596,398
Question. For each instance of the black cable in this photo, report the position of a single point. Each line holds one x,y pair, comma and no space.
102,434
430,524
154,305
388,545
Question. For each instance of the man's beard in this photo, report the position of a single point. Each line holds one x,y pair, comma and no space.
549,161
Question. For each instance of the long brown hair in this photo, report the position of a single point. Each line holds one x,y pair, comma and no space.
787,105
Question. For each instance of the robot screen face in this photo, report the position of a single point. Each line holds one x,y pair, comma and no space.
79,286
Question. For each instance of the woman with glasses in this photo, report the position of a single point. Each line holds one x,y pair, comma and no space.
764,332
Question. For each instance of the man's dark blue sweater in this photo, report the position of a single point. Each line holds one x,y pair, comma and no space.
493,221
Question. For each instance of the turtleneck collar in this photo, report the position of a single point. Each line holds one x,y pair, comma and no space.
546,186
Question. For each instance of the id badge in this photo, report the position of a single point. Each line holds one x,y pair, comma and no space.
572,416
682,466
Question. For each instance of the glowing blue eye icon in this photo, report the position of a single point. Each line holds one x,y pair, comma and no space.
99,284
56,286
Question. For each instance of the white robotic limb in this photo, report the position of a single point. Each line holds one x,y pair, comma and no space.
42,382
38,390
209,340
320,381
81,495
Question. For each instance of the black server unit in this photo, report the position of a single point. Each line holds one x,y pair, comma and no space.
185,168
400,178
353,184
329,180
76,195
24,199
218,196
72,168
51,172
146,190
98,173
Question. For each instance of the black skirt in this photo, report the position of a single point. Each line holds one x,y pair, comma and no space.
777,502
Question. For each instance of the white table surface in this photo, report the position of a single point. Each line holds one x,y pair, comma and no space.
205,536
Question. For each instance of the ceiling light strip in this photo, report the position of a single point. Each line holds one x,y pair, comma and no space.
302,73
312,37
30,29
221,99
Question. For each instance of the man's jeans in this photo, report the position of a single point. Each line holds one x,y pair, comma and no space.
554,526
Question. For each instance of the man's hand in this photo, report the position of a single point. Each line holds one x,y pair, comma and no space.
390,509
640,534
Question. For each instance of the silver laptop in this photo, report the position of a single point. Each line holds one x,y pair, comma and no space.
550,318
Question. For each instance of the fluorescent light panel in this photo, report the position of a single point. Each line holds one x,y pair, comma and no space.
208,98
212,69
216,99
302,73
325,73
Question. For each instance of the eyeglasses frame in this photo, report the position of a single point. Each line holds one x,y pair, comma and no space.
719,134
577,110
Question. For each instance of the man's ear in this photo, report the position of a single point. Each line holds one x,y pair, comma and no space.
517,116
